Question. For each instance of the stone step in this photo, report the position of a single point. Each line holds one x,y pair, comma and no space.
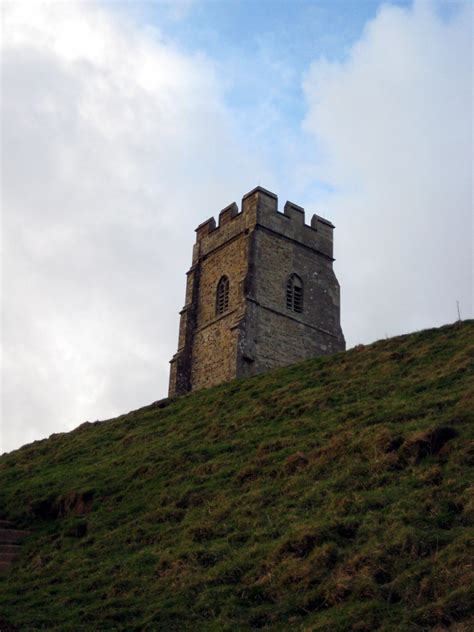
9,557
8,536
9,548
4,566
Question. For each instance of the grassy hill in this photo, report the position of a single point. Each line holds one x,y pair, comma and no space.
331,495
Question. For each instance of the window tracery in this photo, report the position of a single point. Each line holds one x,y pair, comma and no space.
222,296
294,294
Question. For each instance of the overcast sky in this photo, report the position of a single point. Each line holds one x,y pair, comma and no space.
126,125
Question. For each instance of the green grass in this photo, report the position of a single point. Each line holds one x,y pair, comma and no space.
331,495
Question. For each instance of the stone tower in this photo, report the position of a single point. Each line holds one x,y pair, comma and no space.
261,293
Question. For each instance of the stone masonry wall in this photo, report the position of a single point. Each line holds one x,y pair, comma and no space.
282,336
215,338
207,346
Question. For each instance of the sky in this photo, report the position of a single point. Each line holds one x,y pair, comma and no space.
125,125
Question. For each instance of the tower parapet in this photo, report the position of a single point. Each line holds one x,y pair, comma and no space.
260,208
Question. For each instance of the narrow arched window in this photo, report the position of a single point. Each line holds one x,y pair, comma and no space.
294,294
222,296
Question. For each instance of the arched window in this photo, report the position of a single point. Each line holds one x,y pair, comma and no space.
222,296
294,294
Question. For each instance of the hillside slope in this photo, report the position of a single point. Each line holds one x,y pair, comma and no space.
331,495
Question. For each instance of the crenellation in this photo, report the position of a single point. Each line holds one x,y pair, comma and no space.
258,190
260,206
228,213
294,213
324,229
316,220
205,228
222,234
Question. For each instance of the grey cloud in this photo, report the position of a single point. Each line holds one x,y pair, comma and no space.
112,155
394,122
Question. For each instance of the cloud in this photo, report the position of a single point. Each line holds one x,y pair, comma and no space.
116,145
392,127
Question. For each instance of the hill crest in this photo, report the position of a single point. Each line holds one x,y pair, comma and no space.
329,495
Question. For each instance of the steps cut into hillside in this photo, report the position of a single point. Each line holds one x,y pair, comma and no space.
10,544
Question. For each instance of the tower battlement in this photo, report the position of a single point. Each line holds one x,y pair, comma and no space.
260,207
261,293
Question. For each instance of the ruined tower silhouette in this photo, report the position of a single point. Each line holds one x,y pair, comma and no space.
261,293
